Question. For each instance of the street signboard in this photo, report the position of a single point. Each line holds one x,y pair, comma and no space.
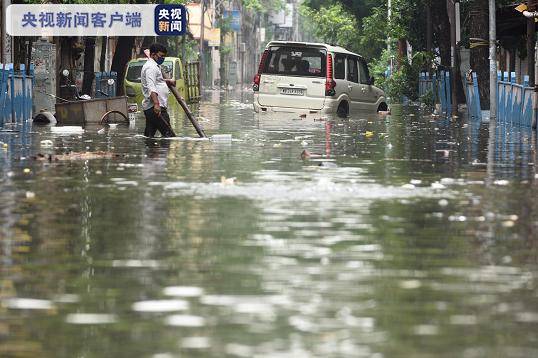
235,16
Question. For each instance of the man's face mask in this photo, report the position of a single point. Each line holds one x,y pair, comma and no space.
159,60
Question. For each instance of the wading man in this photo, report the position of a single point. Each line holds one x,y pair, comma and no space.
155,90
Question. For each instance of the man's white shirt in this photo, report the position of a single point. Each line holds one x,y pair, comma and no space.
152,80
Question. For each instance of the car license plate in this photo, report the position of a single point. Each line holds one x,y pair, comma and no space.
293,91
132,108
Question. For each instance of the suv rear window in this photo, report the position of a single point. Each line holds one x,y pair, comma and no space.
296,61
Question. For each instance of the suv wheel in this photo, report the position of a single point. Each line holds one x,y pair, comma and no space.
343,109
382,107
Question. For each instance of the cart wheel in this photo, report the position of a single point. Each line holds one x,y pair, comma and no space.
106,118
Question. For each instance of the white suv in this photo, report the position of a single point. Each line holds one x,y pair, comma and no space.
314,78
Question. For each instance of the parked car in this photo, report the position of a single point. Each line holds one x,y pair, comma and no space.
186,81
314,78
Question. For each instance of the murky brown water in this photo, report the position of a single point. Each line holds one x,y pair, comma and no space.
393,239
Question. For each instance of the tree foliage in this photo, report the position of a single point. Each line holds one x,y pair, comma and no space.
333,24
262,5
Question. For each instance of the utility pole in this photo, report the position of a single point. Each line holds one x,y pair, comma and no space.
429,30
453,63
201,75
242,50
531,14
296,21
531,39
6,44
492,63
389,47
492,91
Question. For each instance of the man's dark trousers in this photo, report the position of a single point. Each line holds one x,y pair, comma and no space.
161,123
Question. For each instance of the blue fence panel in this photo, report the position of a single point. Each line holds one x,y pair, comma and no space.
102,88
448,92
15,94
440,86
514,106
527,105
3,90
474,108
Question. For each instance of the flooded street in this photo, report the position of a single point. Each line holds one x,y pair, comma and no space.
373,236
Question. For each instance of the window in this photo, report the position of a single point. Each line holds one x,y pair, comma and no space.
352,73
339,67
166,68
364,75
134,71
177,70
296,61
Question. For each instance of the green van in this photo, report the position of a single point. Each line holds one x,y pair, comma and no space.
186,81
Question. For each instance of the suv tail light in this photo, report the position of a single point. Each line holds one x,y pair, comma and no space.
256,84
330,84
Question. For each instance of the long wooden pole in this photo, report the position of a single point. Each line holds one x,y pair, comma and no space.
183,105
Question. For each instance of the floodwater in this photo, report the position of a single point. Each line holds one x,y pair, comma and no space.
389,237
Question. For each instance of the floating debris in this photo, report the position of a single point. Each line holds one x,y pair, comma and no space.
183,291
67,130
227,181
47,143
328,165
195,343
185,321
221,138
27,304
160,306
76,156
90,318
448,181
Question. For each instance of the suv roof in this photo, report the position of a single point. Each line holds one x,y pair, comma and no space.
330,48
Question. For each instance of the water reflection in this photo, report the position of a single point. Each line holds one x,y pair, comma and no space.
384,241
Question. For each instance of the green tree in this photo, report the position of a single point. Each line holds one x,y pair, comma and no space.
333,24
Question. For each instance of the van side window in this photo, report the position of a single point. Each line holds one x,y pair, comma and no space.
364,75
339,67
177,71
352,71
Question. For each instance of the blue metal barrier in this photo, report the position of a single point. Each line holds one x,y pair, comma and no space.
440,87
514,101
15,94
474,108
102,88
425,84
